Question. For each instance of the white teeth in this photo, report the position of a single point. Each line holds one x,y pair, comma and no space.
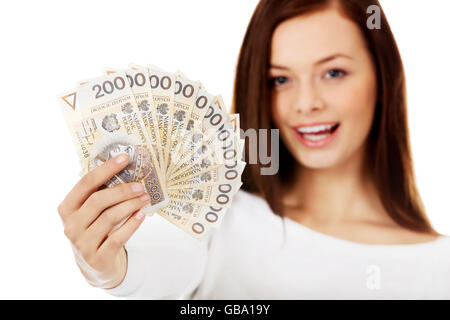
316,137
315,128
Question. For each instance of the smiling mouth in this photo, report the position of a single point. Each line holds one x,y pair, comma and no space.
317,135
319,132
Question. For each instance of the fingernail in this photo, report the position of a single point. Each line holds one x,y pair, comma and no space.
137,187
144,197
121,158
140,215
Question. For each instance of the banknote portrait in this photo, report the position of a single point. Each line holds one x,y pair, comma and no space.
139,156
116,148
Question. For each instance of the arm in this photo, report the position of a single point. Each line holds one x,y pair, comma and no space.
163,262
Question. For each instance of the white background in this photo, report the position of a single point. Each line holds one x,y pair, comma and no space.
46,46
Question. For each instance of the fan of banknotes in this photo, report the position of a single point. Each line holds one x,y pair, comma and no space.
183,145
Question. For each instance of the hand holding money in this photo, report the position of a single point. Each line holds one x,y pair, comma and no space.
90,219
183,146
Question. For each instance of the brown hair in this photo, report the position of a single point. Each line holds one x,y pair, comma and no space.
389,157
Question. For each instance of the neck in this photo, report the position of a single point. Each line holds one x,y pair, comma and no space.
343,193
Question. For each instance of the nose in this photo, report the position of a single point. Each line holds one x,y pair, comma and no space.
308,99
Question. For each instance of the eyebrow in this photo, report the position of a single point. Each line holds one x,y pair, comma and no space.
326,59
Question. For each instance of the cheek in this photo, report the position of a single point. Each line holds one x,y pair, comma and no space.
356,104
280,109
280,116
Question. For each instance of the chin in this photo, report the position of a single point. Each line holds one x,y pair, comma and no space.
320,160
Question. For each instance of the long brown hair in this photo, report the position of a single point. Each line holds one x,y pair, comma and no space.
389,155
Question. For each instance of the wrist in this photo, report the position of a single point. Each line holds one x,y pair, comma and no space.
122,263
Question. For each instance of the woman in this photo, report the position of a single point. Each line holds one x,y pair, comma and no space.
341,219
331,69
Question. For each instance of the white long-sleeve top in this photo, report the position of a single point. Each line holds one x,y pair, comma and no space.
252,256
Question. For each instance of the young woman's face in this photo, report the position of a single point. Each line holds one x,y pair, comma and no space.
324,88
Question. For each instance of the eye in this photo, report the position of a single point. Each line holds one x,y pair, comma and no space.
335,74
277,81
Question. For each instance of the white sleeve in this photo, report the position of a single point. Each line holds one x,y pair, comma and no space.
163,262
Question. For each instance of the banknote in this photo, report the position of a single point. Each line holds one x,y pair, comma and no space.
220,195
214,176
193,132
104,119
217,144
139,80
163,89
184,146
184,99
196,220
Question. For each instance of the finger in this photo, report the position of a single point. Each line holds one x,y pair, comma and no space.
117,239
103,199
90,183
111,218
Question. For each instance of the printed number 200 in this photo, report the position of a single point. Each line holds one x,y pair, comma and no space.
108,87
